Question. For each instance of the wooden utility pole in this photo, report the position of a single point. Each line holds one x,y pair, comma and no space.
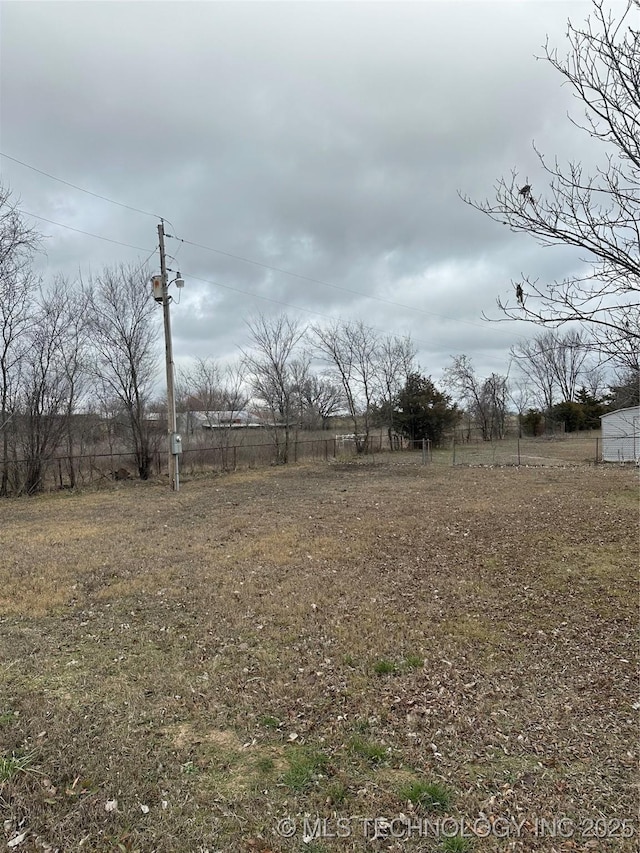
174,474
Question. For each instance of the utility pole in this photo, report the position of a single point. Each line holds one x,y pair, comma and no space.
174,438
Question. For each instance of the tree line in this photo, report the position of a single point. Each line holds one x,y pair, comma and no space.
79,363
91,347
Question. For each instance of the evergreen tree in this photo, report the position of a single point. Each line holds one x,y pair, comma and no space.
422,411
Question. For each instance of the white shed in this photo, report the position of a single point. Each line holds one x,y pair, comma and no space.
621,435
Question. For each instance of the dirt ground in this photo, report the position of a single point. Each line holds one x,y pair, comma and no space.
331,657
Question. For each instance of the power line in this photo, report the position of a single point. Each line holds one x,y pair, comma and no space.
217,283
228,286
229,255
256,295
86,233
81,189
329,284
145,262
312,311
300,276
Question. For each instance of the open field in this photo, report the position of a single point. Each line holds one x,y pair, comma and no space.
347,640
570,448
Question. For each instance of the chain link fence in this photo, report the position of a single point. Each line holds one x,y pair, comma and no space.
64,472
81,470
558,450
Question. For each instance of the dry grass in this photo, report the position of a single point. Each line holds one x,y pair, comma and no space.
320,640
561,450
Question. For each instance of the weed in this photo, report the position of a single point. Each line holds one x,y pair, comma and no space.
431,795
6,718
456,844
305,765
269,722
265,764
337,793
384,667
414,662
373,752
11,766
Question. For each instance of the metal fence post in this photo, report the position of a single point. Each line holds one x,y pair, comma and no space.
424,451
453,462
518,451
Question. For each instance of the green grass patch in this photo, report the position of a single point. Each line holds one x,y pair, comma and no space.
430,795
384,667
337,793
12,765
373,752
456,844
305,766
269,722
265,764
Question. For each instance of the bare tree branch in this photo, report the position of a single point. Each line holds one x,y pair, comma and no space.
598,213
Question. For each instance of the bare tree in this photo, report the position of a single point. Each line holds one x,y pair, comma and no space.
352,351
300,373
397,362
235,393
567,359
274,374
599,213
218,392
18,241
520,397
625,390
18,288
534,362
49,382
124,333
199,385
200,389
321,398
334,349
594,380
16,319
74,363
554,364
494,396
485,399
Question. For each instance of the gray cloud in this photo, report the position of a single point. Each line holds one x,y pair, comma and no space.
330,139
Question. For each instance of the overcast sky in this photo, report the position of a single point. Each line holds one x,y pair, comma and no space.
328,139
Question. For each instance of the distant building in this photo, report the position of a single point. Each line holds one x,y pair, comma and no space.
190,422
621,435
